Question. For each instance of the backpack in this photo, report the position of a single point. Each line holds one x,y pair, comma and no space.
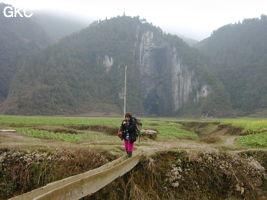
138,126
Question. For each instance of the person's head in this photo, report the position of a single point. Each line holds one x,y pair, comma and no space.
128,116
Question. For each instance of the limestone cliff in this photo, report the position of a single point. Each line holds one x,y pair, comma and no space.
167,82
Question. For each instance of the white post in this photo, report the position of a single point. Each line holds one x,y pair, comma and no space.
125,89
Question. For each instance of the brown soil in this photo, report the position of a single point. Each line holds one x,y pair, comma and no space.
215,133
153,124
104,129
231,130
78,129
57,129
210,128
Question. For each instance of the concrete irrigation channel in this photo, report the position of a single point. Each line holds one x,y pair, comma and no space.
81,185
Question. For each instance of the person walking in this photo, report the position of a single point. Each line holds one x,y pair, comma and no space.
129,135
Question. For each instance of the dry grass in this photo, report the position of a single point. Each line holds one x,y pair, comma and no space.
212,139
22,172
178,175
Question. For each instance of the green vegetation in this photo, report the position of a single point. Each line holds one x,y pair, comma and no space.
64,121
250,126
74,138
174,131
50,135
253,140
167,128
19,37
83,73
83,83
238,56
247,124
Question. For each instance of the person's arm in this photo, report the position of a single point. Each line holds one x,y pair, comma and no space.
123,126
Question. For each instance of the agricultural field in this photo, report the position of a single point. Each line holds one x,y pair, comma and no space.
246,132
254,129
46,149
77,129
247,123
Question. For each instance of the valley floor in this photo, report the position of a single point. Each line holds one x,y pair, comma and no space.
193,137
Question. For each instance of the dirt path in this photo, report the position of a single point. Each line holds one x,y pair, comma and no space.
15,140
230,140
18,140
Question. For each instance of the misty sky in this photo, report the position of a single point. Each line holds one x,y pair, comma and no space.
192,18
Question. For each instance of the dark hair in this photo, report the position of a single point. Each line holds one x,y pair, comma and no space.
129,115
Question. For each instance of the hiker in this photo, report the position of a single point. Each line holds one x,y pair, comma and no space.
128,128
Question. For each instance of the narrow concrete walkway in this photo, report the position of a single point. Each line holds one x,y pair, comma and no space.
81,185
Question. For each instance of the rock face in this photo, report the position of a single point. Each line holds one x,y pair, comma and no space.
167,83
108,62
183,81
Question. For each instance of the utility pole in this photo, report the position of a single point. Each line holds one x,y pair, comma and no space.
125,89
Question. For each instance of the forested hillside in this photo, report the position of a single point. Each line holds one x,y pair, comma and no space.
19,37
84,73
238,53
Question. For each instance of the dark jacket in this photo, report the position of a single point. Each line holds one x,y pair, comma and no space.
129,127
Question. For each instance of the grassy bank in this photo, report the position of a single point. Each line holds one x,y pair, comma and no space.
253,140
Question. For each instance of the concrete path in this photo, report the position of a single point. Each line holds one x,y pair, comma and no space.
81,185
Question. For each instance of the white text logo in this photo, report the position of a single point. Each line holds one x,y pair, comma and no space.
10,11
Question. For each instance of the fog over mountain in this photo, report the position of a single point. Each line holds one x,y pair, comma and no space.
190,18
59,24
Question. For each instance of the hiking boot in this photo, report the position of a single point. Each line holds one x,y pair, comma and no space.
130,154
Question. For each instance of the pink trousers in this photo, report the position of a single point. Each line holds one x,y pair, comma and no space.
128,146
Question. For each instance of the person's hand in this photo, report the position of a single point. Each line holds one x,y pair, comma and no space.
124,122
